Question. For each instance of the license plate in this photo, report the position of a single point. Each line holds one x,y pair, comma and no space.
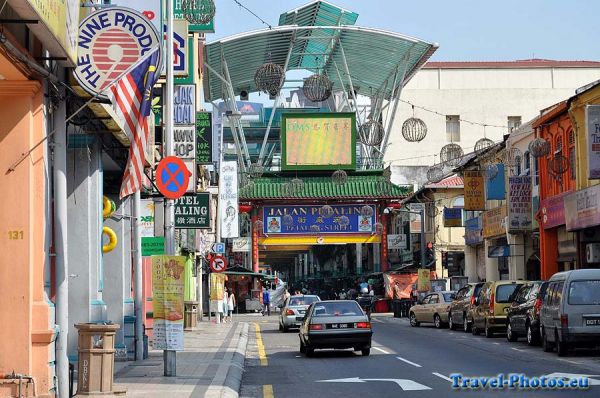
340,326
301,311
592,321
299,318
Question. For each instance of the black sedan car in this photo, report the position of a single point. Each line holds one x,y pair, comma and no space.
335,324
523,316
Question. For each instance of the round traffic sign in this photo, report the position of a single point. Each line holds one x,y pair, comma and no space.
218,264
172,177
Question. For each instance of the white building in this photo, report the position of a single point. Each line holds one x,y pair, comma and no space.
498,94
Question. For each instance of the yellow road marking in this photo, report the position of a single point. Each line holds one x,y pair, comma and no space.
261,347
268,391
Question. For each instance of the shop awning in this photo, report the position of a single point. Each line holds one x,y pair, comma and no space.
357,187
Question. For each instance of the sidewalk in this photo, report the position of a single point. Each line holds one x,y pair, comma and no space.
211,366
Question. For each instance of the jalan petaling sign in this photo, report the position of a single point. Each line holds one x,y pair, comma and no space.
109,42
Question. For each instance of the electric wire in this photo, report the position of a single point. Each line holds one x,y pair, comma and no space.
253,13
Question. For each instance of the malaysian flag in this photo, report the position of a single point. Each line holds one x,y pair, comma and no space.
131,96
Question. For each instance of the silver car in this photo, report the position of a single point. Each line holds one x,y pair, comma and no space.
293,311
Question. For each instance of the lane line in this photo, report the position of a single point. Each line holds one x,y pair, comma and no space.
441,376
495,343
380,350
516,349
261,347
566,360
268,391
409,362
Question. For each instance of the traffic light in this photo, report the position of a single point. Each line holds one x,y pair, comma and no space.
429,254
445,259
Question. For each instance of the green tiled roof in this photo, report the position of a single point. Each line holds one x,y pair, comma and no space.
357,187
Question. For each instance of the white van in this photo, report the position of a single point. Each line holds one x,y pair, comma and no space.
570,314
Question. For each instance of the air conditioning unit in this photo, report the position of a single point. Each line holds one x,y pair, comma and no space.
592,252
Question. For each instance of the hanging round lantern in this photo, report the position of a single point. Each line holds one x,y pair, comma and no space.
513,157
414,130
287,220
339,177
482,144
490,170
366,211
315,229
378,228
269,78
198,11
344,221
287,189
297,185
558,164
451,154
258,224
371,133
435,173
256,170
539,147
326,211
317,87
432,210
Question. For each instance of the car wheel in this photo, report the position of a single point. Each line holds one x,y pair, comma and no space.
285,329
437,321
310,351
451,324
280,327
474,329
532,337
302,348
488,332
546,346
561,347
413,320
466,325
365,352
510,335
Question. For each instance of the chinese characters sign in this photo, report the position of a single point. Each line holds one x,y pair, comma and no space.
228,200
519,203
167,302
494,222
193,211
474,195
203,138
305,217
592,124
582,208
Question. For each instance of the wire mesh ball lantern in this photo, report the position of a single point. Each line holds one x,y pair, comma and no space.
297,185
435,174
366,211
315,229
326,211
317,87
482,144
339,177
451,154
198,11
558,164
414,130
256,170
378,228
287,189
513,157
490,171
371,133
287,220
539,147
344,221
269,78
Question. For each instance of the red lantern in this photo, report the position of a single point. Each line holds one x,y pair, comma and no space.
394,205
245,208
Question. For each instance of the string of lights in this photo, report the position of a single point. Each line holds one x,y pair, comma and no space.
253,13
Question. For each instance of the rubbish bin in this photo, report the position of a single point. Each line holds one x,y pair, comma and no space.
190,318
396,308
96,358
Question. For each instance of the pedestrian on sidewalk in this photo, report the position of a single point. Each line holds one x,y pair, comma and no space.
230,303
225,305
266,303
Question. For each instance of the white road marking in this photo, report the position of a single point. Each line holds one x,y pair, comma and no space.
441,376
380,350
409,362
496,343
377,320
516,349
566,360
405,384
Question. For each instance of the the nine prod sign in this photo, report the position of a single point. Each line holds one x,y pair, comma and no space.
184,104
184,138
193,211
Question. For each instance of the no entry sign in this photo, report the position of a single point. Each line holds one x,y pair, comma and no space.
172,177
218,264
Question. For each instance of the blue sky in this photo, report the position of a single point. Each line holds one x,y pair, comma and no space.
466,30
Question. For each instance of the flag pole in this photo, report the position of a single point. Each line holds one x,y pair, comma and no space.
169,356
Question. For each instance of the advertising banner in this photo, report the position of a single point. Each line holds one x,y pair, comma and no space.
494,222
452,217
217,286
519,203
474,190
397,242
193,211
153,246
553,211
167,302
204,138
184,142
582,208
147,218
415,219
305,217
241,245
228,200
496,187
473,231
592,125
424,281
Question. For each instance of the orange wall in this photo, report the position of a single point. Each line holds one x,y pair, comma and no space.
25,335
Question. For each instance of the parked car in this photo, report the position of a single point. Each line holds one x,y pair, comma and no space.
433,308
570,315
491,306
335,324
293,311
461,308
523,317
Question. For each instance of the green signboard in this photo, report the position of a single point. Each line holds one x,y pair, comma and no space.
178,14
204,138
153,246
193,211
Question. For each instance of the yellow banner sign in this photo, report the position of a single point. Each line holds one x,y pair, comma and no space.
167,302
494,222
474,190
217,286
423,281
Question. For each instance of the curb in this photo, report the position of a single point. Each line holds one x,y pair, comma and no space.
232,382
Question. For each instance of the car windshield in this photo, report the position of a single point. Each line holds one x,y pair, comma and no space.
337,309
584,292
302,300
447,297
504,292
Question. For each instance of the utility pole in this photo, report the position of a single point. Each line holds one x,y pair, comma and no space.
169,356
422,213
137,269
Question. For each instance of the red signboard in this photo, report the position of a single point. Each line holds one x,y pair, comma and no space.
172,177
552,211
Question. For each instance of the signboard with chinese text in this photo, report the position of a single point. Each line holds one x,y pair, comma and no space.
415,219
494,222
592,125
193,211
582,208
553,211
167,302
519,203
228,200
204,138
474,190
